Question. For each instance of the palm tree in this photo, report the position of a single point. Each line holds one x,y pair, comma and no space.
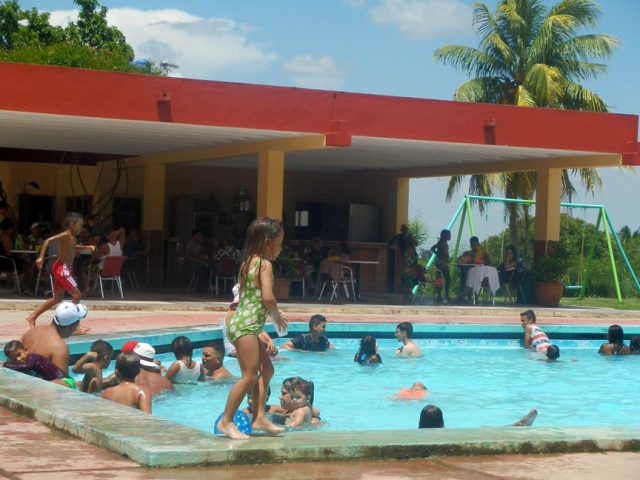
530,56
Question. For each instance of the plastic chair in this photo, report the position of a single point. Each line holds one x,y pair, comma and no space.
485,294
14,270
225,269
47,270
111,273
198,267
433,279
345,280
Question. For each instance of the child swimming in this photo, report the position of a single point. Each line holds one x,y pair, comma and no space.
367,354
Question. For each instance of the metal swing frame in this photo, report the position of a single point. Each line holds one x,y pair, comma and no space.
464,212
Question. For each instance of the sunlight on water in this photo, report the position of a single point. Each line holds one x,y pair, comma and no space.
475,382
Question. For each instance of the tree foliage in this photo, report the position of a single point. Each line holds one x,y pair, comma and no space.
577,236
531,56
27,36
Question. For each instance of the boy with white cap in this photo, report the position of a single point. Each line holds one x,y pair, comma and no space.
150,375
46,340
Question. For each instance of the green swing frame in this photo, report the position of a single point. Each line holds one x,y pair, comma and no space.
464,212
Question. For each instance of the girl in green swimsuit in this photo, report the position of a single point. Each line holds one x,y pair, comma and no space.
263,244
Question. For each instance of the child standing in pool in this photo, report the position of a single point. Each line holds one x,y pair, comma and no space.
534,337
263,244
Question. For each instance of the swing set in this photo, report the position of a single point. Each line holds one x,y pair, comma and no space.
464,213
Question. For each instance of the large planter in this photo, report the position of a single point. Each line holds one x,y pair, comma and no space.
549,294
281,288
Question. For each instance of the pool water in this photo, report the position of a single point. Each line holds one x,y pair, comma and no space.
475,382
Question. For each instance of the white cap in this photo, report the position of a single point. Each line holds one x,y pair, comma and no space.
68,313
147,354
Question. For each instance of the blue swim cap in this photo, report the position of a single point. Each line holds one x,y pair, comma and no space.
241,419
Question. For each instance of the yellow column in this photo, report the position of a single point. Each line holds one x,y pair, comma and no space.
153,204
270,184
402,203
548,189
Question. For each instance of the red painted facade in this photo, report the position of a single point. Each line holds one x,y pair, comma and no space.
59,90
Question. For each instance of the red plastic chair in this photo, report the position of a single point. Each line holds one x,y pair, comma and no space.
111,273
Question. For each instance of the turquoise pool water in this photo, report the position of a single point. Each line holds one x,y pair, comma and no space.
475,382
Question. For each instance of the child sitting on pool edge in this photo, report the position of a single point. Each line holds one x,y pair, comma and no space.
367,354
534,337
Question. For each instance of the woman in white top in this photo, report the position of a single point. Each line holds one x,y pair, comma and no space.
185,369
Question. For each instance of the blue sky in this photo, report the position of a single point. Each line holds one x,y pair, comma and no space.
369,46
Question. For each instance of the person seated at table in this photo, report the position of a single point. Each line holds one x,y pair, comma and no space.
199,261
227,249
511,269
471,258
312,255
6,245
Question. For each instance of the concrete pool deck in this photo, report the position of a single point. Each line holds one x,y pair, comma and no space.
146,441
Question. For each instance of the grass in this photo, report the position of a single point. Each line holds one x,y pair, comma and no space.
632,303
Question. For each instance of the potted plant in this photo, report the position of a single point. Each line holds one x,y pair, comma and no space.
285,269
548,269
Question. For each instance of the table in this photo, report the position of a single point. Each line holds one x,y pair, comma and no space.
358,263
479,273
25,252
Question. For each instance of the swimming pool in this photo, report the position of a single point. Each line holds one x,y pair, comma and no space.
476,382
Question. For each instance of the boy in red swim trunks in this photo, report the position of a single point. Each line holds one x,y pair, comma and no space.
62,271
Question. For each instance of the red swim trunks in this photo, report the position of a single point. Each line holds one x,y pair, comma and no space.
63,277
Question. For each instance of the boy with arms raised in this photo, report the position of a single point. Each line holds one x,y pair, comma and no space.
63,267
128,392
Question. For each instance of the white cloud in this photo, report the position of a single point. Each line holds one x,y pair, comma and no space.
207,48
315,72
424,19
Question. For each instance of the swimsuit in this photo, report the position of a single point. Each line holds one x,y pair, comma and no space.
63,277
539,339
303,341
251,313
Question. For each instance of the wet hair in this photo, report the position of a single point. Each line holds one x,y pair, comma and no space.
368,345
513,250
102,348
316,320
72,217
474,239
11,348
529,315
431,417
634,344
128,366
405,327
292,384
553,352
260,232
182,347
218,349
615,334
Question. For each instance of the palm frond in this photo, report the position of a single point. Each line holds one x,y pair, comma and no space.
590,179
577,97
567,190
496,47
524,98
482,20
481,90
545,83
587,47
454,185
586,12
468,59
577,70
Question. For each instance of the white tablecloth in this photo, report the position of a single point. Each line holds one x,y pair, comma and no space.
477,274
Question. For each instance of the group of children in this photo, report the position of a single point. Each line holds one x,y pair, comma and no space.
243,324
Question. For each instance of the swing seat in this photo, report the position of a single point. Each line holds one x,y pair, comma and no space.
573,287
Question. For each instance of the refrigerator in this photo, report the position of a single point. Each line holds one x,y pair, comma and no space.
364,223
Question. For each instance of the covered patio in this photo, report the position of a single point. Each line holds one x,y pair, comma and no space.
181,149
